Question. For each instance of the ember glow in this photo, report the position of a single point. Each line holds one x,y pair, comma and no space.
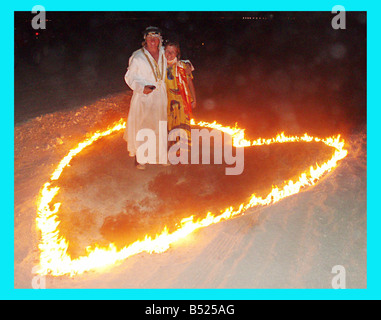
55,260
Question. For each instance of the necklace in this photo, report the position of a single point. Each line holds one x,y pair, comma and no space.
156,70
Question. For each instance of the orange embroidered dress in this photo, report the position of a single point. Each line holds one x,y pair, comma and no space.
179,109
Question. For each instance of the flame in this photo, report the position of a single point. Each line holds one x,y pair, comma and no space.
54,259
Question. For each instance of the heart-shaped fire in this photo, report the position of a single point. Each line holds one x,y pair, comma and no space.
54,257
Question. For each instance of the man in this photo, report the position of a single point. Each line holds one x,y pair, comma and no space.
146,77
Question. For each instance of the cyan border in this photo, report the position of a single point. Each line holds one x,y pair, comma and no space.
7,290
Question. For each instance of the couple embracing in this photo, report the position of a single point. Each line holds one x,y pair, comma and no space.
162,91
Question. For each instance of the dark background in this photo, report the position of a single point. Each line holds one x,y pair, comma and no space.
269,71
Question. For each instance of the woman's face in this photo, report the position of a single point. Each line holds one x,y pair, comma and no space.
152,42
170,53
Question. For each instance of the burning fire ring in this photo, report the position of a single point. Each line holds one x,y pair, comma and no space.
54,259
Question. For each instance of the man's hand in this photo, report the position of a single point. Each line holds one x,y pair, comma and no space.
188,68
148,89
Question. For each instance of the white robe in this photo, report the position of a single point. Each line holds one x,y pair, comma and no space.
146,110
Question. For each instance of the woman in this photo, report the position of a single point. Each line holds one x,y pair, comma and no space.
146,77
181,94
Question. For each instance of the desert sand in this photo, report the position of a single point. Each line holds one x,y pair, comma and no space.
292,244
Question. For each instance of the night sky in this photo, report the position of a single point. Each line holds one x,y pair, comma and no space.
270,71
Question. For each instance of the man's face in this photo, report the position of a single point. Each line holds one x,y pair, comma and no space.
152,42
